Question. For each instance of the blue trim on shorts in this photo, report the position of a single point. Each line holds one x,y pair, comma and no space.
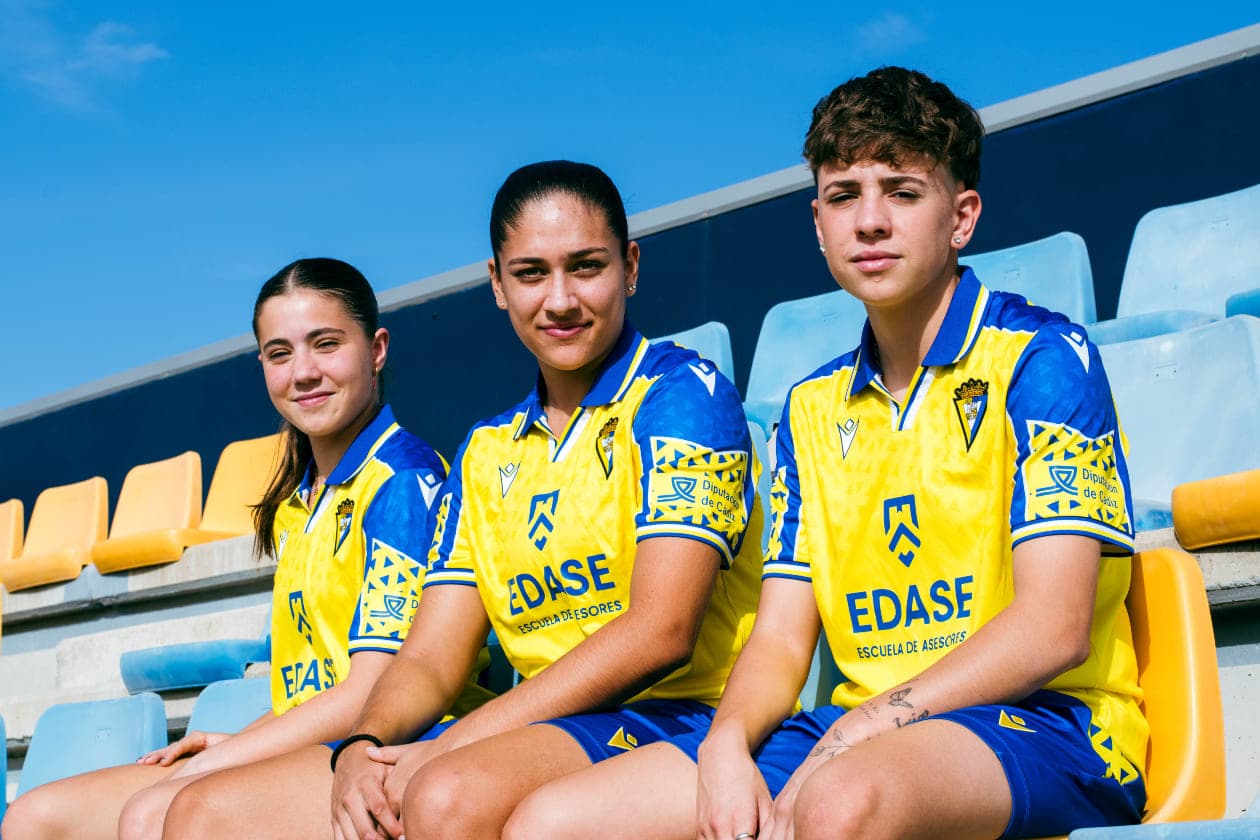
606,734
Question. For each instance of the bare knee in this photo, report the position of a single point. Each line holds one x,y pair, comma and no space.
543,813
834,804
35,814
441,801
192,814
142,815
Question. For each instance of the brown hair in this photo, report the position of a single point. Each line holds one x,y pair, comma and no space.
344,282
893,114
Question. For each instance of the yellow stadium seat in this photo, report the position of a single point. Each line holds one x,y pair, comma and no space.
1176,655
159,508
1216,511
240,479
65,522
10,539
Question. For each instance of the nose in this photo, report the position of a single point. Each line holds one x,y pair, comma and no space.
305,366
871,219
561,295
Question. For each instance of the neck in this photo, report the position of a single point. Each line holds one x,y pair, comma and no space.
327,451
904,334
563,391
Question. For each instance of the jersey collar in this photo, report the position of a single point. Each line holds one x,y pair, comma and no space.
614,377
365,444
956,337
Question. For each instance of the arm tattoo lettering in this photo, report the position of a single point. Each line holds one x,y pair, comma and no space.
911,719
898,698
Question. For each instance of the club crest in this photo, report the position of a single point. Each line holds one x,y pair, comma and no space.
345,513
604,445
971,400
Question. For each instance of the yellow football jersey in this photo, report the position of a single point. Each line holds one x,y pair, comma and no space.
545,522
348,562
904,516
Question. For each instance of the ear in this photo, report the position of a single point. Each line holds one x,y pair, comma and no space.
380,349
967,207
632,267
813,205
496,284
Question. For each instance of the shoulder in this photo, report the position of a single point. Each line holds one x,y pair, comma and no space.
404,451
681,380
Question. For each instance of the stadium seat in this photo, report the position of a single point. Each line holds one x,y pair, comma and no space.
65,522
73,738
192,664
159,508
1053,272
1185,262
230,705
10,538
239,481
1217,511
1243,303
4,775
712,340
1188,403
797,337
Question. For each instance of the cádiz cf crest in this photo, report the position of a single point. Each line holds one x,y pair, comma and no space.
604,445
345,513
971,399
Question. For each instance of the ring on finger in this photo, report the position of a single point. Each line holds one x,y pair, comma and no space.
744,835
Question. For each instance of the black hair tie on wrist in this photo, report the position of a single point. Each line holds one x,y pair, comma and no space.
353,739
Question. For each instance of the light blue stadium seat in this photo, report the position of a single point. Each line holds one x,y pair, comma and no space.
1053,272
1146,325
230,705
762,451
711,340
1186,261
191,664
1232,829
824,676
797,337
72,738
1189,403
1243,303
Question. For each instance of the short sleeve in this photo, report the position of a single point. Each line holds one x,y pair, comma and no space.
395,536
695,450
1071,475
448,555
784,557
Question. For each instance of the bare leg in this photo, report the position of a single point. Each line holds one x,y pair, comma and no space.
285,796
472,791
649,792
86,806
934,780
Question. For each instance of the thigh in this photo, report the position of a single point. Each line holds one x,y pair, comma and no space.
83,806
934,779
285,796
648,792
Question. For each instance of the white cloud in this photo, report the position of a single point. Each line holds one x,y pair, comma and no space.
891,32
65,69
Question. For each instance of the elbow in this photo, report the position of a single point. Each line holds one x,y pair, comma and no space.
1070,650
670,647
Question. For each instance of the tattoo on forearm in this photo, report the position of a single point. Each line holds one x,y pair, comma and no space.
826,752
869,709
911,719
838,737
898,698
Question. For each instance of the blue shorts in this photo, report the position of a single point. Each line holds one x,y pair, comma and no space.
1058,781
606,734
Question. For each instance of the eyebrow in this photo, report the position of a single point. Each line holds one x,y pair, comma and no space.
313,335
886,182
575,255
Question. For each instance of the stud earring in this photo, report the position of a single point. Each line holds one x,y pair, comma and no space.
822,249
630,289
957,240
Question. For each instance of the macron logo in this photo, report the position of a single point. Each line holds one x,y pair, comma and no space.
847,433
428,488
507,474
1077,342
706,374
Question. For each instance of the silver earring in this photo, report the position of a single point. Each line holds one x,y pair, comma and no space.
630,289
957,240
822,249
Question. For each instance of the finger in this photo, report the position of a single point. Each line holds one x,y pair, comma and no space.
384,814
386,755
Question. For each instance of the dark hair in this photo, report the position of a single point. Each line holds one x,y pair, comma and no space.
539,180
344,282
891,114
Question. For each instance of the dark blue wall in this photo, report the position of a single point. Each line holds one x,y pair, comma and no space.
1095,171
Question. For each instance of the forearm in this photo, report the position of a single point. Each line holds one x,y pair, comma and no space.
760,693
408,698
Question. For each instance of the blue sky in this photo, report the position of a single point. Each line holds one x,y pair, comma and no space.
159,160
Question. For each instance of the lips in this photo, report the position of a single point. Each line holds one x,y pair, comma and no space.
563,331
873,261
313,400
